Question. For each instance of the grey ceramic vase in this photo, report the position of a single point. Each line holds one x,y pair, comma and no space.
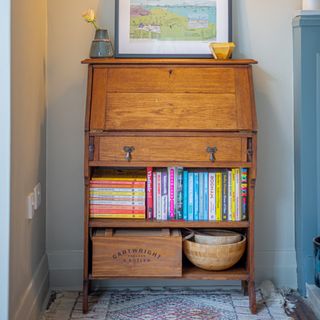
101,46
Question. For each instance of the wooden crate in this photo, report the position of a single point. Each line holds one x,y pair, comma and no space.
136,253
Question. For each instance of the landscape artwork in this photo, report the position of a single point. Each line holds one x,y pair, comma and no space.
173,20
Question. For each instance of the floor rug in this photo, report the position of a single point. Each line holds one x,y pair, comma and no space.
164,305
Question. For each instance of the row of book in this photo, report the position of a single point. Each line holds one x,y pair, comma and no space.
193,195
118,194
172,193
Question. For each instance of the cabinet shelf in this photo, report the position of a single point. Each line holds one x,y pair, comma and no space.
136,223
195,273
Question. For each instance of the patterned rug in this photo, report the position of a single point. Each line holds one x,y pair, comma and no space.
164,305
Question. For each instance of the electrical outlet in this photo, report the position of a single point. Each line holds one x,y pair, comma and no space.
37,196
30,205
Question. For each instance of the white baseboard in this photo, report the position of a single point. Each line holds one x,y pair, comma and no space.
66,272
31,304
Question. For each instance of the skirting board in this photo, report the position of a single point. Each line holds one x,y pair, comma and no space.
66,272
33,299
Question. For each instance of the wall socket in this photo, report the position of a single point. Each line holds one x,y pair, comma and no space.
33,201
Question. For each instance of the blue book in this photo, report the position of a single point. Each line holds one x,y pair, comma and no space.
190,196
196,197
201,196
185,195
206,195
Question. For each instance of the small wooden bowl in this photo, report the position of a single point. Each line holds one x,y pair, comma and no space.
216,236
214,257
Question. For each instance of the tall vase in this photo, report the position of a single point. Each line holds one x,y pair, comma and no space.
101,46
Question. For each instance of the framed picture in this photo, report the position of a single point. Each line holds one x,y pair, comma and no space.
170,28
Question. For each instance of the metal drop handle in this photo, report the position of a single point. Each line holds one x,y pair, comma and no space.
212,151
128,151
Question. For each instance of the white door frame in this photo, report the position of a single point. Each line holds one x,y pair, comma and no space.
5,155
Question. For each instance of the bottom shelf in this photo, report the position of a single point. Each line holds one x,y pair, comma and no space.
194,273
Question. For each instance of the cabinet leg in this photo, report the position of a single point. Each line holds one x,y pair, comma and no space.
244,285
252,297
85,302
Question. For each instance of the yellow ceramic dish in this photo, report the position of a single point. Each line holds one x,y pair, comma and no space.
222,50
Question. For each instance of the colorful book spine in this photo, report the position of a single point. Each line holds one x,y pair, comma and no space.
212,196
201,196
196,196
171,186
116,207
224,195
154,198
229,195
238,200
205,196
244,193
149,193
185,195
179,192
190,196
117,193
233,194
159,213
117,211
218,196
111,202
117,216
116,184
164,195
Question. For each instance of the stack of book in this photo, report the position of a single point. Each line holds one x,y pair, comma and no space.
192,195
118,194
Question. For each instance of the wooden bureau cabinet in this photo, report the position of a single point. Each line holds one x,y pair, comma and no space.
171,112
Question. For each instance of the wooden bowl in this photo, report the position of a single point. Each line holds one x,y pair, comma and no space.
216,236
214,257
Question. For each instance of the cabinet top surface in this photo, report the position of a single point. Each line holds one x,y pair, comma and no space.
132,61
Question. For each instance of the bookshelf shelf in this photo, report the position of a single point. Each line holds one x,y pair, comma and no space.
194,273
130,223
170,113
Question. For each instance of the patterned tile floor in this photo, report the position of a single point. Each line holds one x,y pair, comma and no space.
164,305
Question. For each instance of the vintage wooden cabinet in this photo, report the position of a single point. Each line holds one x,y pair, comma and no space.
196,113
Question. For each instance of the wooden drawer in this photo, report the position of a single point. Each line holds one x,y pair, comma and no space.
171,98
166,149
136,253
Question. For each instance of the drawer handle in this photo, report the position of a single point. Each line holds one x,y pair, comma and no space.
128,151
212,151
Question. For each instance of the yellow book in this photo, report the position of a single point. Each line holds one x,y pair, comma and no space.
117,216
218,196
233,194
119,175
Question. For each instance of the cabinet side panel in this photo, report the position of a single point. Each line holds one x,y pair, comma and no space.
99,98
243,99
88,101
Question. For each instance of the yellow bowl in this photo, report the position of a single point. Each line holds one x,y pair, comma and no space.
222,50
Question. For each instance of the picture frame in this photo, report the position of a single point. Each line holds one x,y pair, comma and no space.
171,28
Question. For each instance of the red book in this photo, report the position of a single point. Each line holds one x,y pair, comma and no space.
149,193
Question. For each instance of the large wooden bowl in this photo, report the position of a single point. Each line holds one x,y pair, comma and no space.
216,236
214,257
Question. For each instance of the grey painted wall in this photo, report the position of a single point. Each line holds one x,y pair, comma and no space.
28,260
262,30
